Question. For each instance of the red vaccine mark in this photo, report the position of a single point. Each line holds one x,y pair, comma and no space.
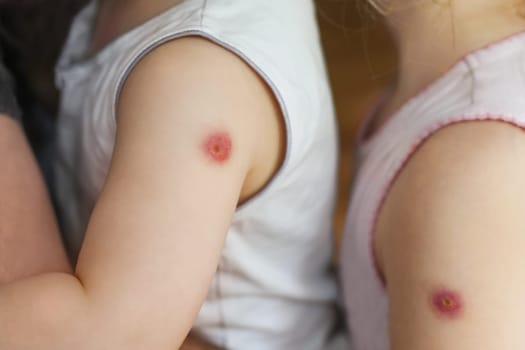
218,147
447,303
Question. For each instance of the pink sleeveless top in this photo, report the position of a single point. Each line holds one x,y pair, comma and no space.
488,84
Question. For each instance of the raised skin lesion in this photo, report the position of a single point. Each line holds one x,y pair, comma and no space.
446,303
218,147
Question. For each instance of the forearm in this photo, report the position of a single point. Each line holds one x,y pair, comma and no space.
46,312
29,237
56,311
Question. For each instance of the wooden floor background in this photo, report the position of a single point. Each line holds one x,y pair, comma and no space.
361,60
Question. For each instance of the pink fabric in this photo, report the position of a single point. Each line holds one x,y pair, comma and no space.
488,84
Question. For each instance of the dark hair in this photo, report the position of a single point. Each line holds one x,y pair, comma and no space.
32,33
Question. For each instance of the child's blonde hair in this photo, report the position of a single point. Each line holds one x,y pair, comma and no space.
379,5
385,7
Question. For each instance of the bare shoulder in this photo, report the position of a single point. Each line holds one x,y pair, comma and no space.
450,240
204,72
194,84
465,159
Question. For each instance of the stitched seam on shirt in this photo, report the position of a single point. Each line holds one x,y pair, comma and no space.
416,146
203,11
220,303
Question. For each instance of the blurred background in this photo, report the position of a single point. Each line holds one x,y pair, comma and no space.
361,61
358,50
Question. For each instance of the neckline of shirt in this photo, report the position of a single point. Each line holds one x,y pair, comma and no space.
82,32
366,141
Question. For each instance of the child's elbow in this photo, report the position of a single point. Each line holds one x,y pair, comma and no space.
63,316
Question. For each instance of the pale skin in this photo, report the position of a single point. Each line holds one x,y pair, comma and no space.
29,239
449,239
156,233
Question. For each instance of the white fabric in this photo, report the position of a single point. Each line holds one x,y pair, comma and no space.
273,288
488,84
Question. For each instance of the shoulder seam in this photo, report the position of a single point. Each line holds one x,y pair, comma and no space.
203,11
465,118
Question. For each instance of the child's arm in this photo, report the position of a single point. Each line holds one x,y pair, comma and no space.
451,241
29,238
195,124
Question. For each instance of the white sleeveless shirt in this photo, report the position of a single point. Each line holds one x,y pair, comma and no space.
273,288
488,84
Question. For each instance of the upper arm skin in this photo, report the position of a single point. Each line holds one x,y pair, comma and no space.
29,239
454,222
157,231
